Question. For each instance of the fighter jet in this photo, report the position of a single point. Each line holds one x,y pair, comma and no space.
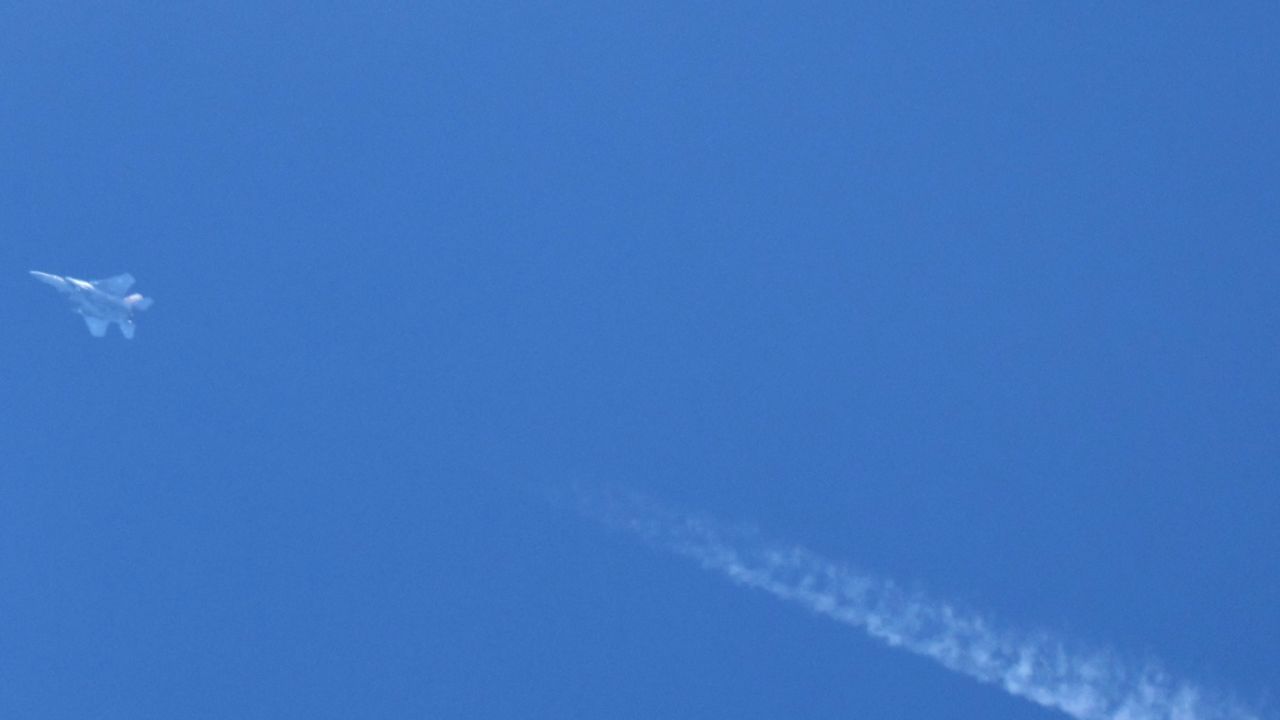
100,302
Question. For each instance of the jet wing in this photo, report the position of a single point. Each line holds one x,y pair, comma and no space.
117,286
97,327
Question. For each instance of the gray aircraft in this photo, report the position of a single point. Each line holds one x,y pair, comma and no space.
100,302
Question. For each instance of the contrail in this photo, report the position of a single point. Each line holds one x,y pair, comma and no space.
1084,684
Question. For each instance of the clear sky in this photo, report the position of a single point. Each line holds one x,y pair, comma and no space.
982,298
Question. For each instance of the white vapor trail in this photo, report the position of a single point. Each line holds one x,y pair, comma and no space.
1086,685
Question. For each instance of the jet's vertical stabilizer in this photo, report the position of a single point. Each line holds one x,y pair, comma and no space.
137,302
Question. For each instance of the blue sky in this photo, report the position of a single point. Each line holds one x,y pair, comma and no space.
980,299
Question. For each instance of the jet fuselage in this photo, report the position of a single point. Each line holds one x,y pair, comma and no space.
89,300
100,302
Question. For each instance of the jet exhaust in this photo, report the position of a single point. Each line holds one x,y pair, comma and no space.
1086,685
